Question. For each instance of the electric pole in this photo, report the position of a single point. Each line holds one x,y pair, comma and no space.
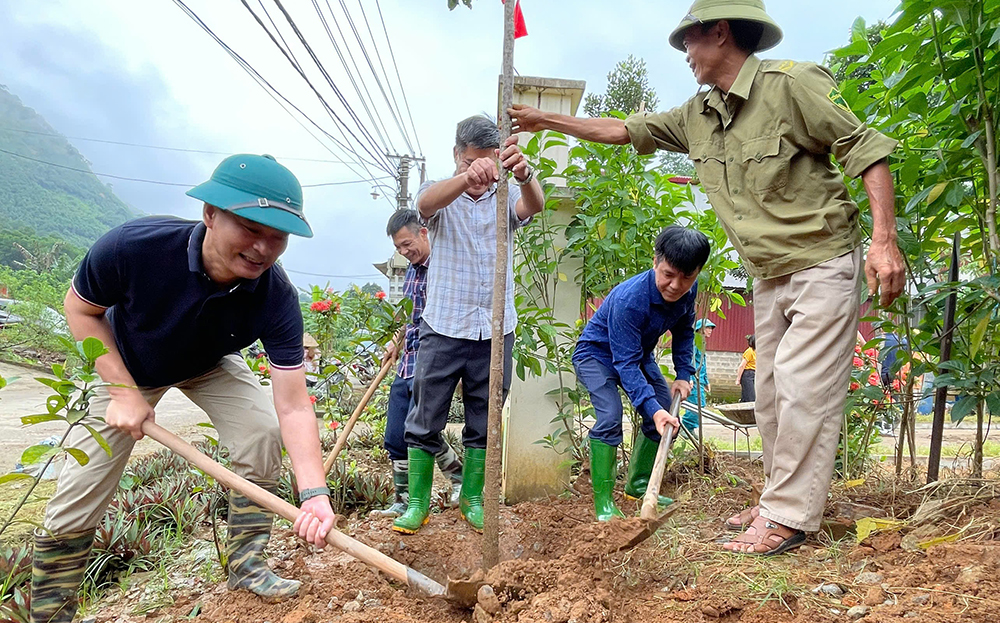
403,174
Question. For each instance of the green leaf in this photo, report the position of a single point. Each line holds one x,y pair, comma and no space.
78,454
30,420
35,453
993,402
75,415
977,336
59,370
11,477
859,31
994,38
963,407
99,439
936,192
971,139
92,349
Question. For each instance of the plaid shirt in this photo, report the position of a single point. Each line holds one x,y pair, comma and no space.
415,289
460,285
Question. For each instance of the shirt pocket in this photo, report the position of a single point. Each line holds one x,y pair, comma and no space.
766,168
710,162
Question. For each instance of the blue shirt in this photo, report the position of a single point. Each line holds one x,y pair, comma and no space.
626,328
169,320
415,289
701,369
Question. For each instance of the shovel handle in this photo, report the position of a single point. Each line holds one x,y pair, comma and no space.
342,438
649,500
368,555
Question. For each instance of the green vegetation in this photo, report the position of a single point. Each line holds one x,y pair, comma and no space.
74,206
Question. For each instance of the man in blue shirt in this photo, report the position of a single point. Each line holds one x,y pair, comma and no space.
616,350
174,301
411,241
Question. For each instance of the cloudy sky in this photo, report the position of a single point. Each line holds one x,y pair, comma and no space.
144,72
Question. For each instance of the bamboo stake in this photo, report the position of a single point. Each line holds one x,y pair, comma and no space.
494,459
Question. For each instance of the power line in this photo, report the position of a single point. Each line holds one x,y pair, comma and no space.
388,84
365,276
362,130
270,89
402,91
135,179
160,147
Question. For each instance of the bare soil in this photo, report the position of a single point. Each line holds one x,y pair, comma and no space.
559,566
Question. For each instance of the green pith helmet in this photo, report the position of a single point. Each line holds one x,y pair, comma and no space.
705,11
259,189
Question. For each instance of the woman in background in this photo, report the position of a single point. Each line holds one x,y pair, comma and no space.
747,371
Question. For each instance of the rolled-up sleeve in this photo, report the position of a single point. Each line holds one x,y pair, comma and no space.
663,130
829,121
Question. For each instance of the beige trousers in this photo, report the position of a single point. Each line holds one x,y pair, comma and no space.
236,404
806,327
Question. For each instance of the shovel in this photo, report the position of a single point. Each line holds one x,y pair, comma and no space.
368,555
651,521
342,438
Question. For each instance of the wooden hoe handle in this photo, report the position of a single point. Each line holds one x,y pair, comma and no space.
649,500
370,556
342,438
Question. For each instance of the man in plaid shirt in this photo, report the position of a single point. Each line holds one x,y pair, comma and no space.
460,213
411,241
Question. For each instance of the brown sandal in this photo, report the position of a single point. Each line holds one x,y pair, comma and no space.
766,538
743,519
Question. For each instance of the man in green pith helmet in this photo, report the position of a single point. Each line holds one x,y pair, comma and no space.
174,301
761,137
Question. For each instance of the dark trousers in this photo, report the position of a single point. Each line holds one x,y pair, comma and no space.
748,389
400,402
602,383
441,362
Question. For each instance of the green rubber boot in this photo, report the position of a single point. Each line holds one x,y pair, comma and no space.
470,502
602,478
400,483
249,532
639,469
421,478
451,466
57,567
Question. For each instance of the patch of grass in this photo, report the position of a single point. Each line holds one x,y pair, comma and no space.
991,449
33,510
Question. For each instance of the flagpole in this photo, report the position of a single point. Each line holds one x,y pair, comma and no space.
494,450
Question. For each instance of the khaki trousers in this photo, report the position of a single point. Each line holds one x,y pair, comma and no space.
236,404
806,327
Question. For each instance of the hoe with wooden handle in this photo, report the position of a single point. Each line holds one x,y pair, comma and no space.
648,513
370,556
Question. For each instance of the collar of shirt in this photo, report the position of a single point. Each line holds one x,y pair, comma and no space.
655,298
196,265
728,103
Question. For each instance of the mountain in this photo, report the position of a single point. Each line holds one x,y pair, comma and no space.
51,200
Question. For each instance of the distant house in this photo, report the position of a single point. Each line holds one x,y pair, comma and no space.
395,269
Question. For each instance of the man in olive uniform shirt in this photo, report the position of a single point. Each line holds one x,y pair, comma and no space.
761,137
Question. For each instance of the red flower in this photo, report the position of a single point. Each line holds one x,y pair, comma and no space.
312,399
873,379
858,363
260,355
380,295
896,385
857,348
333,425
875,402
871,353
855,385
321,306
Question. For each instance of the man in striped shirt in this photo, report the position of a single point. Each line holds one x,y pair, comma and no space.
410,240
460,213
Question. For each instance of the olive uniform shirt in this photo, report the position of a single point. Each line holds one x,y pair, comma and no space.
762,153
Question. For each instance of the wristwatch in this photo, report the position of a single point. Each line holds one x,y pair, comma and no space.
315,492
527,180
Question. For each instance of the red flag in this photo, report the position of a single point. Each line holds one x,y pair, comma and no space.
520,30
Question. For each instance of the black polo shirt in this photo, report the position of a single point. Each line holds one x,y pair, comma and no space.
170,321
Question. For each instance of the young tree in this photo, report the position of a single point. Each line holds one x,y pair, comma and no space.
628,89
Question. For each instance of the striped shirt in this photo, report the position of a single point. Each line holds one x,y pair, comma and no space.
415,289
460,282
